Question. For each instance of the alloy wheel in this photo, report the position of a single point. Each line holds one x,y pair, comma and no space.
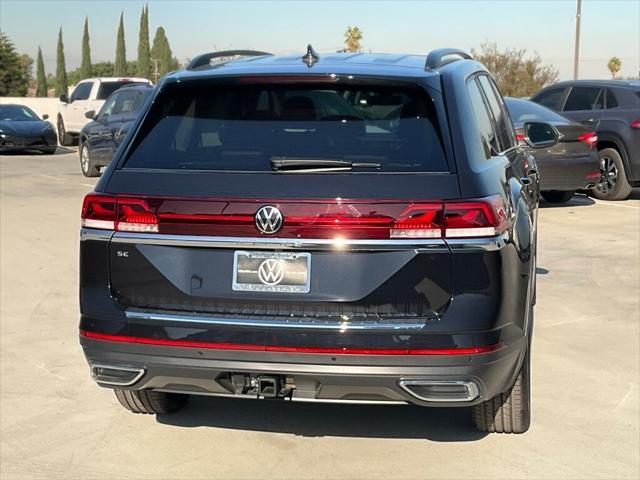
84,159
608,175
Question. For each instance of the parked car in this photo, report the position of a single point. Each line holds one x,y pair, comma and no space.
21,129
571,164
257,236
100,138
88,95
612,109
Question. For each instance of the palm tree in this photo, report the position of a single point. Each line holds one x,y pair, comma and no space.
614,66
352,37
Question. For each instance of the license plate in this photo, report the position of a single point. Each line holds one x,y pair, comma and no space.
271,272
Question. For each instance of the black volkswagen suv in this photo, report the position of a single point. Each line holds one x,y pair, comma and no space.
354,228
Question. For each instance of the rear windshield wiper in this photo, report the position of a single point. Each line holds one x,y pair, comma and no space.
281,164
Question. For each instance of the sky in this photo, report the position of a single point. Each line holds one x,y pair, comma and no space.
547,27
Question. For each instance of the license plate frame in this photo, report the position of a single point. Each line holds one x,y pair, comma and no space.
271,272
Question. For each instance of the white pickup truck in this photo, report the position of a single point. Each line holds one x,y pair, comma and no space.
89,94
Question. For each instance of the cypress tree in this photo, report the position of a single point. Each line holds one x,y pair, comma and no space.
41,78
120,67
13,74
161,51
85,67
61,87
144,55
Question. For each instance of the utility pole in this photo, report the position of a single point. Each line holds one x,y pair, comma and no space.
576,53
155,70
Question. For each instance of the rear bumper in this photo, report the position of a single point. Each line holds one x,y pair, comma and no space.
569,173
317,377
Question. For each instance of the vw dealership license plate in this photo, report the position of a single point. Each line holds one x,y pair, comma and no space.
271,272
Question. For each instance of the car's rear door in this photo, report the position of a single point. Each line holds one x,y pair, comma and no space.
584,104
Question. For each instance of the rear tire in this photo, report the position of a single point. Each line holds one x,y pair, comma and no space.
557,196
150,402
87,166
65,139
508,412
613,183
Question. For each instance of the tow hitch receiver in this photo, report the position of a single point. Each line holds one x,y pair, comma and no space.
265,386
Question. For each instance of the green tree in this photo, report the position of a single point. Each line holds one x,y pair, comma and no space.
27,65
614,65
61,86
41,79
352,37
120,68
144,54
13,79
516,74
85,67
161,52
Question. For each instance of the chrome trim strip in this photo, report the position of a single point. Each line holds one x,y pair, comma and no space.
285,399
479,243
472,389
276,243
139,375
95,234
341,325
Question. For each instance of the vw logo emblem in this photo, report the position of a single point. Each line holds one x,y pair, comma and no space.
271,272
268,219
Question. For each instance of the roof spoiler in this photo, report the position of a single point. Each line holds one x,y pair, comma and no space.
205,58
439,57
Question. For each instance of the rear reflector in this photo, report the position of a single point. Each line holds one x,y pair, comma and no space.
278,348
590,138
635,123
336,219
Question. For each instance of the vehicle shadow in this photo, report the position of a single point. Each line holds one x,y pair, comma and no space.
327,420
578,200
635,194
59,151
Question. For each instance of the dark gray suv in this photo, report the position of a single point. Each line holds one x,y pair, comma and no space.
612,109
346,228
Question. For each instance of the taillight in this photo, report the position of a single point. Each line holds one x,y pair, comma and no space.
135,215
419,221
635,123
520,137
476,218
99,211
107,212
327,219
590,138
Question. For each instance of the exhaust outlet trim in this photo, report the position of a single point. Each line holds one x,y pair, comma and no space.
453,390
97,376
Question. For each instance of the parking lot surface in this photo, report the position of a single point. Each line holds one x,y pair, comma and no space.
56,423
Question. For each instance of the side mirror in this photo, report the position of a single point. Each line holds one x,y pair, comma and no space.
64,98
540,135
91,114
45,116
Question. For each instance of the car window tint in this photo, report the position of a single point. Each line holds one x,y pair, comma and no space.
107,108
82,91
17,112
203,126
504,128
611,99
584,98
483,119
522,111
551,98
125,103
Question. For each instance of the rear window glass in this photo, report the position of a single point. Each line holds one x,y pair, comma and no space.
205,126
522,111
107,88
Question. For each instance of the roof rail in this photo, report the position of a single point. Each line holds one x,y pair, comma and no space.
437,58
205,58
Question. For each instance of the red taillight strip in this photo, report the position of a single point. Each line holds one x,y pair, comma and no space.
276,348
